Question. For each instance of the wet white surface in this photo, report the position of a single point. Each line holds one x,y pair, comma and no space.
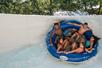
22,42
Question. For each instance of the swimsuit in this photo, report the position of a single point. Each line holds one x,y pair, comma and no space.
87,44
60,42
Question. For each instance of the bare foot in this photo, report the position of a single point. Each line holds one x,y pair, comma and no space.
60,52
66,52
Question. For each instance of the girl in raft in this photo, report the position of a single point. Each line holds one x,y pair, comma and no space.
80,49
66,44
71,46
89,44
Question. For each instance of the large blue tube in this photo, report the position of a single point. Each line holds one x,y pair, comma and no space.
73,57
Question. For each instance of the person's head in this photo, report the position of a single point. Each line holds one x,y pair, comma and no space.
56,25
85,24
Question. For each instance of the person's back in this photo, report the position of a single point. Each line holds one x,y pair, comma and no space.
83,28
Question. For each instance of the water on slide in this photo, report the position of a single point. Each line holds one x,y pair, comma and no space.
22,42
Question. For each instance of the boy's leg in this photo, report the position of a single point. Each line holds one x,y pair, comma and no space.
74,46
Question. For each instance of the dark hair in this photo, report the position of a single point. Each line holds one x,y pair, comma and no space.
56,24
68,36
85,23
96,38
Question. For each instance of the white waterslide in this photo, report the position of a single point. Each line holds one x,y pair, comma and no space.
22,41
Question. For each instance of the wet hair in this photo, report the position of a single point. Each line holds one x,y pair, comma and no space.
56,24
85,23
96,39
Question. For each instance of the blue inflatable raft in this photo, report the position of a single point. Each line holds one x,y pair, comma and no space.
72,57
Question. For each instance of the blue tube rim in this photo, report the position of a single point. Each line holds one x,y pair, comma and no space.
71,57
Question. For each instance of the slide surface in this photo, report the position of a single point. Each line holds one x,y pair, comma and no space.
23,45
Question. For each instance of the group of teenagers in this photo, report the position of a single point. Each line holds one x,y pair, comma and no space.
72,40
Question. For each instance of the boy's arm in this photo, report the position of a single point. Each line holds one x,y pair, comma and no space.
58,49
88,50
73,36
75,24
91,45
64,44
52,33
